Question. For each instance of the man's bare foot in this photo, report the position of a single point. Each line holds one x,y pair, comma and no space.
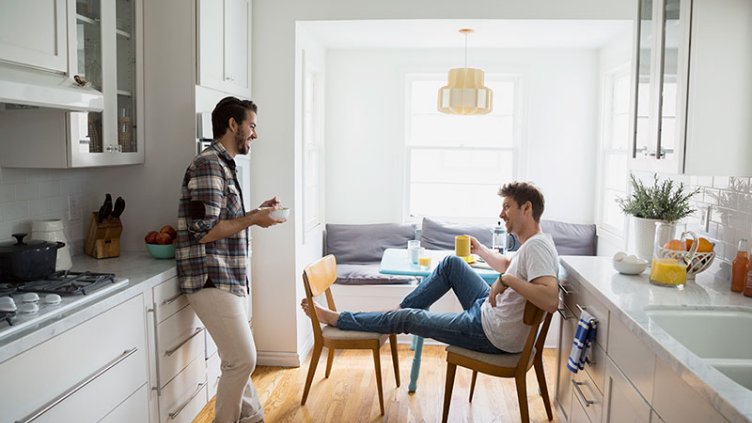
324,315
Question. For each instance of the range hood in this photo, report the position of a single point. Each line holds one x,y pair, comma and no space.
48,90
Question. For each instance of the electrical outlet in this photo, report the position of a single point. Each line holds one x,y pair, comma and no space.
74,209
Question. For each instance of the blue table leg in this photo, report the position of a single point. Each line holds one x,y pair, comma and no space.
413,342
415,371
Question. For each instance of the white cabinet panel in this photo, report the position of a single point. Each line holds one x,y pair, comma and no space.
134,409
91,369
635,359
622,401
213,372
676,401
180,340
33,33
168,299
563,375
184,397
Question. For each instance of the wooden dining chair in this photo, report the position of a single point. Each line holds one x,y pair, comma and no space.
317,279
506,365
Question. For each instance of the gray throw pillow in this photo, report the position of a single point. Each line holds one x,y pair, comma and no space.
358,244
437,235
572,239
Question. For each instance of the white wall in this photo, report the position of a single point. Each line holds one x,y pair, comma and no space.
365,157
276,262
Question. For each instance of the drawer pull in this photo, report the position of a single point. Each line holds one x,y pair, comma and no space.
153,311
172,350
564,289
564,314
175,413
75,388
577,385
172,300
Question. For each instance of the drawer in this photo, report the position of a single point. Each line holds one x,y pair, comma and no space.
596,367
576,297
587,394
107,351
184,397
134,409
180,340
632,357
211,347
168,299
213,372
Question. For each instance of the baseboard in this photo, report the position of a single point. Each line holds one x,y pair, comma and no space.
279,359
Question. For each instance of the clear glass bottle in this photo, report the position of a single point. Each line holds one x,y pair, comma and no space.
499,238
739,267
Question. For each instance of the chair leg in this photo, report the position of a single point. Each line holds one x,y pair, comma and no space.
451,371
538,364
377,364
472,385
522,397
329,361
311,370
395,357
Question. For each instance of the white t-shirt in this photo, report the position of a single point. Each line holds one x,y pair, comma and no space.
503,324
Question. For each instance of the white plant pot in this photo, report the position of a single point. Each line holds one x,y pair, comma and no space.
644,236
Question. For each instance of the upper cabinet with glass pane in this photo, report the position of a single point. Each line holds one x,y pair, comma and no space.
692,95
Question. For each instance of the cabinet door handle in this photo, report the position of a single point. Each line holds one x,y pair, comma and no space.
172,350
172,299
564,289
154,323
563,313
577,388
175,413
75,388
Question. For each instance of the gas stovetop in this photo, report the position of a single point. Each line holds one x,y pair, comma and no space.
25,304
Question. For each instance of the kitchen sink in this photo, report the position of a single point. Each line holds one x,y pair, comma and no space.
721,336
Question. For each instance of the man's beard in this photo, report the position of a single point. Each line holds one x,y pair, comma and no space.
240,144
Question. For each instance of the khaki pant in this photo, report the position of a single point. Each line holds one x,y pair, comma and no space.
225,317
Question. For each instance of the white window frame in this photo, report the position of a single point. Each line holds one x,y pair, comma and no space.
515,149
613,234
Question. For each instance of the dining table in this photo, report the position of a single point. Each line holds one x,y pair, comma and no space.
396,261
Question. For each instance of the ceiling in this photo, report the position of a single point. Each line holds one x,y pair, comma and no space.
490,33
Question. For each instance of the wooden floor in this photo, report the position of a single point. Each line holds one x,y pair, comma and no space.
349,395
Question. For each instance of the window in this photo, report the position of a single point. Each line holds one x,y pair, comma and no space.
455,164
614,151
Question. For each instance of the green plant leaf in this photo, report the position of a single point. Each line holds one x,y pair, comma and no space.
663,200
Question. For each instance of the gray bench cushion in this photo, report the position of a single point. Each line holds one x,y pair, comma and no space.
572,239
437,235
366,243
368,274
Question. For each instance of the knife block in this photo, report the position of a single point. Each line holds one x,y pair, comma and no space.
103,239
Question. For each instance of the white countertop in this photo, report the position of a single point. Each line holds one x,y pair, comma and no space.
142,271
627,297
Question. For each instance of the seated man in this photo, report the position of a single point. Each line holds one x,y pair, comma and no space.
492,320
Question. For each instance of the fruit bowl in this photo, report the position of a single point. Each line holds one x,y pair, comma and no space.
161,251
700,262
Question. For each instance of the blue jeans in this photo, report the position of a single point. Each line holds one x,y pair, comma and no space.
462,329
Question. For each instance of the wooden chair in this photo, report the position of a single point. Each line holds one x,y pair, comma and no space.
506,365
317,279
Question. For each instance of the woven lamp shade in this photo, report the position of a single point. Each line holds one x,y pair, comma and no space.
465,93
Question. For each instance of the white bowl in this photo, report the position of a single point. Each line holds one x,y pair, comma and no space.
279,214
630,267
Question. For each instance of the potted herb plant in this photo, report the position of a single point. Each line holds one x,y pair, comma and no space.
664,201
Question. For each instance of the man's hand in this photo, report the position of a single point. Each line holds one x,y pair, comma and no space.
476,247
262,217
272,202
497,288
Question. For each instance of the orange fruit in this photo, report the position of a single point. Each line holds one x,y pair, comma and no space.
674,244
703,246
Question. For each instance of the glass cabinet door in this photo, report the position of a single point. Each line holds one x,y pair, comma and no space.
673,47
126,75
645,76
89,135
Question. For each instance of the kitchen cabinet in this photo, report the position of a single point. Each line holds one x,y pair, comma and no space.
224,46
34,33
623,403
692,93
564,388
671,390
84,374
106,51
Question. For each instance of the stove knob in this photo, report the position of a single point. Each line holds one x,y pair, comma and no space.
6,300
30,297
7,305
29,308
52,299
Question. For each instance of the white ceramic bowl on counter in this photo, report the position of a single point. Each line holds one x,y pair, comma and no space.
629,265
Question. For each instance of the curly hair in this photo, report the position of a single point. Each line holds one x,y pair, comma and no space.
523,192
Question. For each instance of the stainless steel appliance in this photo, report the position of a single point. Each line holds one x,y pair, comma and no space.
24,305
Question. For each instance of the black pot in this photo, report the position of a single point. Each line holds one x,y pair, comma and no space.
27,261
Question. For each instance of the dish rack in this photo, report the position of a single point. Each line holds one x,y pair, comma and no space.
700,261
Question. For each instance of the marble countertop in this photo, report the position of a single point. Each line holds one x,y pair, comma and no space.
628,296
142,271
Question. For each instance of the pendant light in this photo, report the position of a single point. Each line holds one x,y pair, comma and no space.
465,93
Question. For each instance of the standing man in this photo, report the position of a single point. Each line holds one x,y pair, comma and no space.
212,252
492,320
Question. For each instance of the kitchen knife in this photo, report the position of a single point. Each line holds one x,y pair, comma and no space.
106,209
118,208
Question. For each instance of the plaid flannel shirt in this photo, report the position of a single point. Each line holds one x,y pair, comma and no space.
210,193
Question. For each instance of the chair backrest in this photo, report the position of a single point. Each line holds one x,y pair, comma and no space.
318,277
536,337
